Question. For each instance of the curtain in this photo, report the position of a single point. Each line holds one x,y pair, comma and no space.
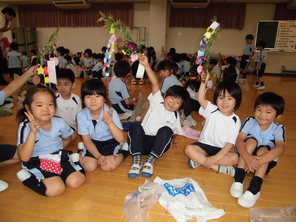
50,16
230,16
282,13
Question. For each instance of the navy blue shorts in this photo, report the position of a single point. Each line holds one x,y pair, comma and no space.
210,150
7,152
67,165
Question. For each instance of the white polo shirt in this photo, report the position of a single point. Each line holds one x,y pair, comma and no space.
218,129
158,116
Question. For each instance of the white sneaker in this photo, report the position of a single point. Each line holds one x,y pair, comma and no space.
81,146
23,175
125,115
124,147
191,164
74,157
261,87
147,170
228,170
134,170
3,185
256,86
236,189
248,199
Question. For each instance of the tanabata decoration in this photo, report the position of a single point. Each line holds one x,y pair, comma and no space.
205,45
49,47
126,45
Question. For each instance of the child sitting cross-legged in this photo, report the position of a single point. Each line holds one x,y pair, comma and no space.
260,143
220,130
154,135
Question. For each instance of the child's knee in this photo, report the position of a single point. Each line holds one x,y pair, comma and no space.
262,151
188,150
234,159
75,180
55,189
107,168
89,166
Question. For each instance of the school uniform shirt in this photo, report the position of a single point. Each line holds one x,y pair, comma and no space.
185,66
2,97
88,62
62,62
217,70
262,55
170,81
249,49
68,108
14,59
158,116
47,141
98,66
96,129
218,129
268,137
25,60
118,92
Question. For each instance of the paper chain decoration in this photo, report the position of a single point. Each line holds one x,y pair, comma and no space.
108,55
206,43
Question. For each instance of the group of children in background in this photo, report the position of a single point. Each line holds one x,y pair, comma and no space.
49,122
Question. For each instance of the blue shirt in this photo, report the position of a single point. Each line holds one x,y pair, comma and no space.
46,142
2,97
96,129
249,49
62,62
14,59
275,132
88,62
170,81
118,91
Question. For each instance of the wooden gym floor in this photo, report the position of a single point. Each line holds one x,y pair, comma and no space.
102,196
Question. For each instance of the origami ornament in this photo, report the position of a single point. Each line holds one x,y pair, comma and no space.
205,45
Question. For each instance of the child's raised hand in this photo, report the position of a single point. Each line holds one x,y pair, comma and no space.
33,70
143,60
107,118
34,126
205,76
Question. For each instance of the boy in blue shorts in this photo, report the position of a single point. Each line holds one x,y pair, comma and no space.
260,143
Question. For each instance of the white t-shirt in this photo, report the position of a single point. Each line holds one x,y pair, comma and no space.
68,109
218,129
158,116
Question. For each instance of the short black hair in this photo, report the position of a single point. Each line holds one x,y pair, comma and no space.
177,91
231,61
229,74
122,68
14,46
249,36
61,50
118,56
104,48
232,88
262,44
89,52
214,61
92,87
9,11
68,58
66,74
164,65
271,99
